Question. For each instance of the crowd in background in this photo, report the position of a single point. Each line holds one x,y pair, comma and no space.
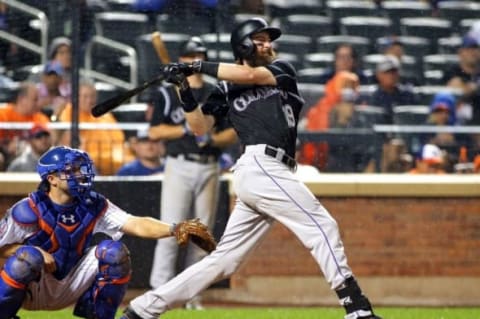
352,93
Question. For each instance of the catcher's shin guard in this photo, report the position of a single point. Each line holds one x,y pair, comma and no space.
19,270
103,298
355,302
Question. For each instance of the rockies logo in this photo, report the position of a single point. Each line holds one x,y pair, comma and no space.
70,219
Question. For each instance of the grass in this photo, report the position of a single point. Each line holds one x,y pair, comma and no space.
286,313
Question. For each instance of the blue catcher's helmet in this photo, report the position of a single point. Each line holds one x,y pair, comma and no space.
75,164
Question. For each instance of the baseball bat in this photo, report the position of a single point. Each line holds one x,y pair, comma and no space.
108,105
160,48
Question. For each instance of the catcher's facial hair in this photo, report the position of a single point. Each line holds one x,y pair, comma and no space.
108,105
160,48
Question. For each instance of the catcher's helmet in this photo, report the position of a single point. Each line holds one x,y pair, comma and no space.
75,164
241,41
192,46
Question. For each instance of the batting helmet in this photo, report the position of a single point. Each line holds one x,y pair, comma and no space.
242,44
193,46
75,164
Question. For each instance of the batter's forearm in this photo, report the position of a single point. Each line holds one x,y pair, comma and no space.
199,123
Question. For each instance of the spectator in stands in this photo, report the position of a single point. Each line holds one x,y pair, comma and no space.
430,160
149,156
343,86
105,146
51,96
39,141
60,50
389,92
442,113
24,109
466,77
346,59
395,157
392,46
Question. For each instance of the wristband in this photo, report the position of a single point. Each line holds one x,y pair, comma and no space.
209,68
186,129
172,229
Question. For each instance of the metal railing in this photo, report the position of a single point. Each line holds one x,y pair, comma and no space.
117,46
43,26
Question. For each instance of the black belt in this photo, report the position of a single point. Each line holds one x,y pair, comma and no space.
279,154
199,158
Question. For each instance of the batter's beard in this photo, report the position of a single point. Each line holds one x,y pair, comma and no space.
262,60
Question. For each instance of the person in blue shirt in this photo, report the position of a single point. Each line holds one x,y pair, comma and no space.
149,157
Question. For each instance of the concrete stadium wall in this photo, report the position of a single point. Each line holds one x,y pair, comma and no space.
410,240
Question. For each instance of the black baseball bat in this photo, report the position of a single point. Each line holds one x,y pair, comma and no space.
108,105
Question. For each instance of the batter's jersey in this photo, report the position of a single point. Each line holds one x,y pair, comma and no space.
168,110
110,224
261,114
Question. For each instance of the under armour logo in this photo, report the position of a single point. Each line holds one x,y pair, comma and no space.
70,219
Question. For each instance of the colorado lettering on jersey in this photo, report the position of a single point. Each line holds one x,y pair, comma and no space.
245,99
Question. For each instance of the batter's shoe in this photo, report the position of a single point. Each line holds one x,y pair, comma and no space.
128,313
354,301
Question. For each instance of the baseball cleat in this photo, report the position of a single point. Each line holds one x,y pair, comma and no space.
128,313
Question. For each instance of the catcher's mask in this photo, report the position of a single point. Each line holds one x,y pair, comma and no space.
193,46
241,42
75,165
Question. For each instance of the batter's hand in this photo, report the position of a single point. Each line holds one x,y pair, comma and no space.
195,231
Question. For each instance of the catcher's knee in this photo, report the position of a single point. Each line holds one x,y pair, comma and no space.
23,267
113,259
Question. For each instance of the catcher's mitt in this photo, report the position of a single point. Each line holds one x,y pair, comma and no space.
197,232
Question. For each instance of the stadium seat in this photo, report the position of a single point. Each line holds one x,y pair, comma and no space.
433,77
295,44
327,44
281,8
220,55
368,115
337,9
465,25
455,11
305,24
196,24
294,59
364,26
439,61
131,112
148,61
214,41
310,75
121,26
318,60
410,114
120,5
398,9
449,45
427,92
426,27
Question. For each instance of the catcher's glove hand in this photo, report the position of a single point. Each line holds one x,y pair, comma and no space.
195,231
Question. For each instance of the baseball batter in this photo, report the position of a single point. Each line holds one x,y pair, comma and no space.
45,239
263,105
191,179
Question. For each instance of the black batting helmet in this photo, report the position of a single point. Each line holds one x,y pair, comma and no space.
192,46
242,44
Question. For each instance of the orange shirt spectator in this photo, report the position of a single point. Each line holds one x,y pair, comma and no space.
343,83
106,147
24,109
